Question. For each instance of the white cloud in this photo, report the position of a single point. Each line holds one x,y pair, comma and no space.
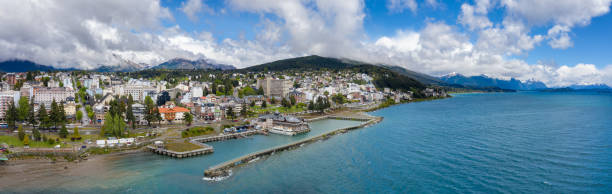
402,42
115,31
559,37
194,7
398,6
563,14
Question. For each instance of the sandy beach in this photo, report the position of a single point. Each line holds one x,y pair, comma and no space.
22,173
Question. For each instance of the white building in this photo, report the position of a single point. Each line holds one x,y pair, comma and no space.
46,96
197,92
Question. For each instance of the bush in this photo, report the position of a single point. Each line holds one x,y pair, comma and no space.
51,141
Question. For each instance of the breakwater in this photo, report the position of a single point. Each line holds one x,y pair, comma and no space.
223,169
338,118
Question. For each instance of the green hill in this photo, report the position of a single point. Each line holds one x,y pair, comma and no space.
383,76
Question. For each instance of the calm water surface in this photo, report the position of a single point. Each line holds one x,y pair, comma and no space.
525,142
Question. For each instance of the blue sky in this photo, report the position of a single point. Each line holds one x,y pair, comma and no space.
559,42
591,43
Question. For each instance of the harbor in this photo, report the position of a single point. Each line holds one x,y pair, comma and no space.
223,169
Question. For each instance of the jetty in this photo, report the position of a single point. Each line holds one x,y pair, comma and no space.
206,149
223,169
224,137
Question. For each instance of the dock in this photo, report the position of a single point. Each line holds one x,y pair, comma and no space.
206,149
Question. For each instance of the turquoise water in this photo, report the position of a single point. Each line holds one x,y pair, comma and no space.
525,142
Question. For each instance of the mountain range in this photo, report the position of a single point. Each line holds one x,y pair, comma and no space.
485,81
396,76
179,63
124,66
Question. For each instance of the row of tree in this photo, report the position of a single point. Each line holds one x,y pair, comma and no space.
44,119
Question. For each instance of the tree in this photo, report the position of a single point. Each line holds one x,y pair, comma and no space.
285,103
31,114
292,100
264,104
20,133
311,106
36,134
150,109
272,100
244,111
11,116
75,133
229,112
130,116
79,115
188,118
43,118
54,116
63,132
62,114
107,127
260,91
252,103
26,140
23,109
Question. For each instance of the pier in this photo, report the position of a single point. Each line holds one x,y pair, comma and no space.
206,149
224,137
222,169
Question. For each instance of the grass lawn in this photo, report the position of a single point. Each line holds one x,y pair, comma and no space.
13,140
293,109
181,146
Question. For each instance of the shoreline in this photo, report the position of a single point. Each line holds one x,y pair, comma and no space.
16,171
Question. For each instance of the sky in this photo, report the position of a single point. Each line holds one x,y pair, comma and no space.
558,42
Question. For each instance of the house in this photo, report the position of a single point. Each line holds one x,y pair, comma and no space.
171,113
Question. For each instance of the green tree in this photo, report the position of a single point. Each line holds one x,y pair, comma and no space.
54,116
23,109
285,103
63,132
252,103
11,116
130,116
188,118
43,118
150,110
79,115
311,106
31,114
107,127
272,100
229,112
26,140
36,134
292,100
21,133
264,104
75,133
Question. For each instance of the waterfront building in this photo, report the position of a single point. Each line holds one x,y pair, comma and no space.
283,124
171,113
